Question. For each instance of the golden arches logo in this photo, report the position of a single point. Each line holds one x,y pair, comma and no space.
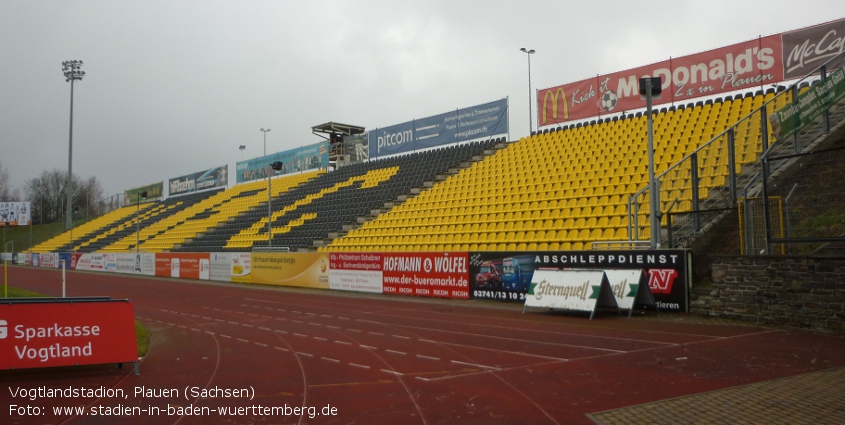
556,96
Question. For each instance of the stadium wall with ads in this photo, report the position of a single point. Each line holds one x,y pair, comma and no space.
749,64
474,122
507,276
305,158
154,191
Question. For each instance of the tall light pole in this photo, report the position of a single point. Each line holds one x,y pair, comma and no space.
530,117
72,72
265,140
242,147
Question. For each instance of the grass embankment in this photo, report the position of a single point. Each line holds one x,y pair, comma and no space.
141,334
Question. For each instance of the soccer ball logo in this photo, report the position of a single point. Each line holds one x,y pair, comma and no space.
609,100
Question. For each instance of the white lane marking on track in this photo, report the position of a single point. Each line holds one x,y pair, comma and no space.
359,365
264,329
260,344
304,354
315,324
225,336
392,372
281,331
297,321
242,340
248,326
326,315
476,365
195,329
234,323
343,342
396,352
427,357
376,333
343,318
297,312
368,347
401,336
296,334
333,327
320,339
207,318
354,330
281,349
330,359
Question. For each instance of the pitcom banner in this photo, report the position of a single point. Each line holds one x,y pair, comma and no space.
154,191
356,271
202,180
306,158
507,275
475,122
305,269
752,63
15,213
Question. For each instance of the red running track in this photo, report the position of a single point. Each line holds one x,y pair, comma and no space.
380,359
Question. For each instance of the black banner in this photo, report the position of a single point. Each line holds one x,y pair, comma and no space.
507,275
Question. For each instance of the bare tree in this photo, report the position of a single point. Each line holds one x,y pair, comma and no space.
7,194
47,193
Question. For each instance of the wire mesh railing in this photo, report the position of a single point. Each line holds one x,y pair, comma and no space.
705,186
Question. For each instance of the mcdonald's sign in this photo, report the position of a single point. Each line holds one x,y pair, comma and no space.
559,111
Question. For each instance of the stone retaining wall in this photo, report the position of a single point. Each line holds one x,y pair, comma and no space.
793,291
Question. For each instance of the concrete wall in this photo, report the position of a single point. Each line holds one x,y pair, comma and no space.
787,290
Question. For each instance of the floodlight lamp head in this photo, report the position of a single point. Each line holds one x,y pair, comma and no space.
143,194
276,165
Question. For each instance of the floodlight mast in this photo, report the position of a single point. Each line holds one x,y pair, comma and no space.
265,140
270,171
530,117
72,72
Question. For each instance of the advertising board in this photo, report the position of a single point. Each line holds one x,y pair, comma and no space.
475,122
154,191
667,271
54,334
429,274
201,180
304,269
304,158
15,213
188,265
356,271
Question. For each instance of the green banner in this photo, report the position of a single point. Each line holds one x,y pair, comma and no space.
154,191
809,105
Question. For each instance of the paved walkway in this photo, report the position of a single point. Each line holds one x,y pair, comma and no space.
811,398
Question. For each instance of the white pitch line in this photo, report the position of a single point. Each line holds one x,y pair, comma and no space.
476,365
427,357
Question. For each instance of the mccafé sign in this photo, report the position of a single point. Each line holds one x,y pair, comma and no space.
745,65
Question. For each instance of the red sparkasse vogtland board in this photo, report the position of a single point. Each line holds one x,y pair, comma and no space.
54,334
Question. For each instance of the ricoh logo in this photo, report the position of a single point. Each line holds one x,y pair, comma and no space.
394,139
4,329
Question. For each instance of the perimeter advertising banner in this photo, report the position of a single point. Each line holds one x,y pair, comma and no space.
749,64
304,269
15,213
187,265
809,105
356,271
305,158
475,122
507,275
154,191
127,263
49,259
54,334
201,180
428,274
230,266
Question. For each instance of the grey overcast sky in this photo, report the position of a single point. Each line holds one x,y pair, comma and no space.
173,87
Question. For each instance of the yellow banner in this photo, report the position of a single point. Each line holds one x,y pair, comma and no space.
304,269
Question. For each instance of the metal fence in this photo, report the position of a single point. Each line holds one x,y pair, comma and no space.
703,191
